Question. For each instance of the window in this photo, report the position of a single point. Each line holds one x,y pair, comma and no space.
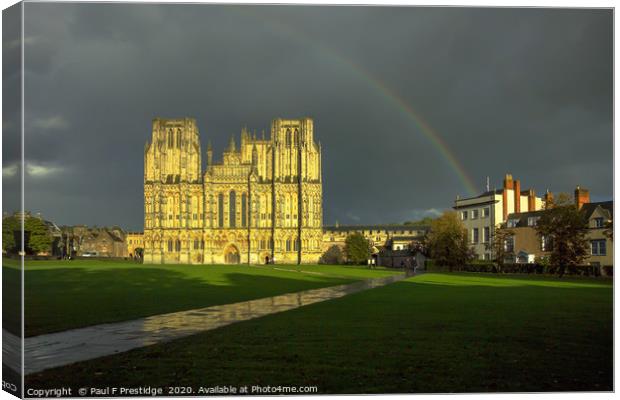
598,222
485,212
196,244
232,209
532,221
512,223
169,245
599,247
178,245
509,245
296,244
463,215
288,244
545,243
474,235
487,256
486,234
474,214
244,201
288,137
220,210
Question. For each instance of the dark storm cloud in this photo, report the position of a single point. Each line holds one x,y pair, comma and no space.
526,91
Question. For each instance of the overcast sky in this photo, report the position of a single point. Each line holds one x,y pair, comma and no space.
525,91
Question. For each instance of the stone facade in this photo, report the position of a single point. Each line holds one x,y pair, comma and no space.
482,214
264,199
81,240
134,240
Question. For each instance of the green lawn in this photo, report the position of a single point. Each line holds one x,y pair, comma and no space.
430,333
69,294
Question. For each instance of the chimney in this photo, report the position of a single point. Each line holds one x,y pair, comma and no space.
508,184
531,200
548,199
517,187
582,196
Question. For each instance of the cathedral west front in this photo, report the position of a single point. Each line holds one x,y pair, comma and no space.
262,201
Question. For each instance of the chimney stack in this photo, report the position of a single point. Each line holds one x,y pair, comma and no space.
508,184
531,200
582,196
548,199
517,186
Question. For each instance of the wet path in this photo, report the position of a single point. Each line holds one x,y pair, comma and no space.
62,348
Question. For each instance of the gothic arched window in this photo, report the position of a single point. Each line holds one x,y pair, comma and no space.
288,137
169,138
244,209
179,138
232,209
220,210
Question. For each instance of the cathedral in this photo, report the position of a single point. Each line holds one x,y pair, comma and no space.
262,201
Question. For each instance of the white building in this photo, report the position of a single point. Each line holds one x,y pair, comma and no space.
483,213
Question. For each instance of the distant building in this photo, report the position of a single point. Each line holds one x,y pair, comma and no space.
84,241
483,213
527,246
392,245
378,235
601,246
134,240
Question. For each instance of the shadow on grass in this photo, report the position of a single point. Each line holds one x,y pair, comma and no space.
64,298
409,337
11,300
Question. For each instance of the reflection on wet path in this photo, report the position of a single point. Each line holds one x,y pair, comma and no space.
62,348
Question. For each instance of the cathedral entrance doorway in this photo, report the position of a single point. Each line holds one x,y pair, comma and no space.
231,255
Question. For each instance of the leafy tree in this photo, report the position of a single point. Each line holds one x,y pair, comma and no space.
566,228
447,241
333,255
39,238
499,247
357,248
10,225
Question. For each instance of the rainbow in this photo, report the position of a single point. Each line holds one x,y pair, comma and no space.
283,30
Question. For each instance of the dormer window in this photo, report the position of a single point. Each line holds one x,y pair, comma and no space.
512,223
599,222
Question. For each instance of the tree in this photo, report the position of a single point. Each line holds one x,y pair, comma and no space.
357,248
333,255
564,228
500,246
39,238
10,225
447,241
